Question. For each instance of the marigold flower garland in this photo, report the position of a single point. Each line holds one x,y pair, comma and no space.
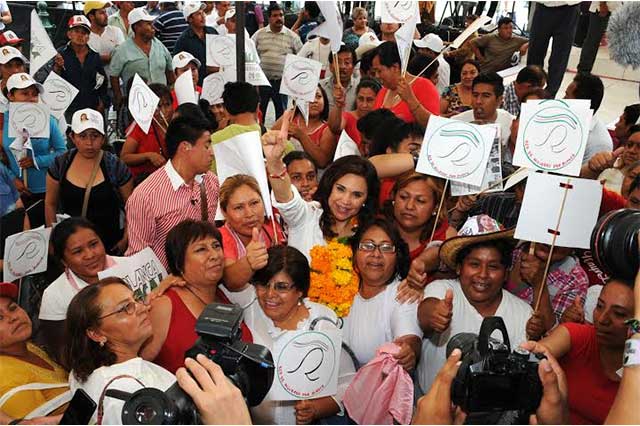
333,280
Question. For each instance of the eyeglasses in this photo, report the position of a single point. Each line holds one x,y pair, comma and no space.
130,308
370,246
278,287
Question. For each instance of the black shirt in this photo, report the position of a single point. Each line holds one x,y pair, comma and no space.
190,42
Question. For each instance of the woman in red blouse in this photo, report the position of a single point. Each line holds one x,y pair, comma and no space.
146,152
413,99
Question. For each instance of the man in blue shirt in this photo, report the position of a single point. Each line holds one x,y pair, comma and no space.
193,39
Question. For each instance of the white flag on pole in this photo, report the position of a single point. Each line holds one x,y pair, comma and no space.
42,50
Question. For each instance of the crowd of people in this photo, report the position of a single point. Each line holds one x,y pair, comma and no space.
414,266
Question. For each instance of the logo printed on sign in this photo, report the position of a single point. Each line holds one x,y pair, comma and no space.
27,117
299,75
459,152
554,149
26,253
401,11
306,364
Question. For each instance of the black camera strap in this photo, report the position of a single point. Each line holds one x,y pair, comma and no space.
103,394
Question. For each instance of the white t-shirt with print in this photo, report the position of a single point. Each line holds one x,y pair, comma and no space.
466,319
106,42
378,320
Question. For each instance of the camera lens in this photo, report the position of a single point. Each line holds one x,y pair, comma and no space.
149,407
145,414
614,243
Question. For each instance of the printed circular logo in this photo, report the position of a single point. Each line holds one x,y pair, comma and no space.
456,151
400,11
31,118
224,51
26,253
553,137
306,364
298,76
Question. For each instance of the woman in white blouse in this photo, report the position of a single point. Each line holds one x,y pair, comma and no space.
275,304
346,196
376,317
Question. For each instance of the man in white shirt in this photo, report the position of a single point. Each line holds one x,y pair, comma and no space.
349,80
487,92
589,86
431,45
103,38
482,261
216,19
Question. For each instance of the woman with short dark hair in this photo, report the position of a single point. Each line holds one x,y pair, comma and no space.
195,258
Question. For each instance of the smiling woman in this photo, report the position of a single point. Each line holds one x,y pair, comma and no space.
194,254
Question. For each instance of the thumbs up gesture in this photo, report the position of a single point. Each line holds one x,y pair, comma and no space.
440,317
575,312
257,251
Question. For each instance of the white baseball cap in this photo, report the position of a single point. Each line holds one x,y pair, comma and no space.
367,42
8,53
431,42
79,21
181,60
139,14
22,80
191,8
229,14
87,119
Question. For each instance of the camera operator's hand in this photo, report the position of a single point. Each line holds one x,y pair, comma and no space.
574,313
217,399
435,407
535,327
257,251
440,317
554,406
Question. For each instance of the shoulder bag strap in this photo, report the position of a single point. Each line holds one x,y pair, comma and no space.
87,191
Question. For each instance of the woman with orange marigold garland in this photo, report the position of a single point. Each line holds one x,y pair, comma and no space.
376,317
277,303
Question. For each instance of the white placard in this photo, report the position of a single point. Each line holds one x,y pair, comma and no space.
58,94
346,146
142,103
332,26
552,135
300,77
25,254
516,177
212,88
221,51
455,150
185,92
400,12
307,364
242,154
143,272
404,41
303,107
475,25
41,49
253,74
492,174
541,208
34,118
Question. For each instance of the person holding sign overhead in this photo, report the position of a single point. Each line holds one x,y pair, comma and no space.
275,303
413,99
31,164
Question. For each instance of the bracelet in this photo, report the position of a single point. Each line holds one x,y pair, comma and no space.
416,156
631,353
280,175
634,325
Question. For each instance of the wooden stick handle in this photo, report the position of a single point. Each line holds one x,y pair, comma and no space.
435,224
553,244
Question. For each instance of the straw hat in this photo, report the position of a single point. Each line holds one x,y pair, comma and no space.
473,232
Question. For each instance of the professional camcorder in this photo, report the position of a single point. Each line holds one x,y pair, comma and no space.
249,366
491,378
614,243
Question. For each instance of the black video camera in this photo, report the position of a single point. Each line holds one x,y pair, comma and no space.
614,243
491,378
248,366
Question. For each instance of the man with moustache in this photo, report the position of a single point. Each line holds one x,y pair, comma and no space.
193,39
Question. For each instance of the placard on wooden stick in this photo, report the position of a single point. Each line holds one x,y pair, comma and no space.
456,150
538,220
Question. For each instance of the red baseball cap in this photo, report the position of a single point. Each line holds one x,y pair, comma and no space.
9,290
9,38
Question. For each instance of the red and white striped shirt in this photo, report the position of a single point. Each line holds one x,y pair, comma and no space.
162,201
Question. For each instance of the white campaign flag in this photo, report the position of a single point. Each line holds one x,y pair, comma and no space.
404,40
185,92
331,28
42,50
